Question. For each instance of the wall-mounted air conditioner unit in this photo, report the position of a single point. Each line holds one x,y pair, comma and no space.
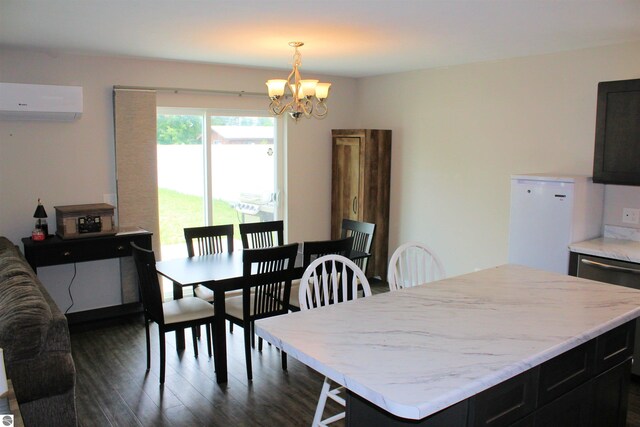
40,102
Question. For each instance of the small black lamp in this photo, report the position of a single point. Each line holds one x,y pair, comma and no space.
41,222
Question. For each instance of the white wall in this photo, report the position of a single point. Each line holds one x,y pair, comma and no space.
71,163
460,132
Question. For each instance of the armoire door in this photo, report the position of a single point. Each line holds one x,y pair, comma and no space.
345,190
360,188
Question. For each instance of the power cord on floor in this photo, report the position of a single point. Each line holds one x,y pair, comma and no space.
69,289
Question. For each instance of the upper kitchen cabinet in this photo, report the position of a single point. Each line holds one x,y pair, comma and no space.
361,177
617,144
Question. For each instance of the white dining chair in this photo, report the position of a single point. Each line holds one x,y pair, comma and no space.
330,279
413,264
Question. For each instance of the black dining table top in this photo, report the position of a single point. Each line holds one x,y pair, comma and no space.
224,269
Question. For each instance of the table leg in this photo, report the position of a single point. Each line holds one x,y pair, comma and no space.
177,294
220,336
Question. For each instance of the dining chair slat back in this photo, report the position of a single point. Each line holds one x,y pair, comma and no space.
313,250
331,279
362,234
328,280
211,239
267,274
207,240
412,264
256,235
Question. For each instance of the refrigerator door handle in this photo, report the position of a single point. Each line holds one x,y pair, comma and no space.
610,267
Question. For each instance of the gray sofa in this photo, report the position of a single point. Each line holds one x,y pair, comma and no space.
35,338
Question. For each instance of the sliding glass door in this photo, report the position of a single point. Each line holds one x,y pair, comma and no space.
214,167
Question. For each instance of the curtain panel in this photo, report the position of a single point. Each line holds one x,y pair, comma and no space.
134,113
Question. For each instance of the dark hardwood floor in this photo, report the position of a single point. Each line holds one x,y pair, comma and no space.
114,390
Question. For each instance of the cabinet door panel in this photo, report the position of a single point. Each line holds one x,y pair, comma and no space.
612,396
346,181
570,410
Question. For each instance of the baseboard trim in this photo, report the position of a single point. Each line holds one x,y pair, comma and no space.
82,318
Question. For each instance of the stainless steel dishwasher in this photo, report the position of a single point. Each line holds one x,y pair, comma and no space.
617,272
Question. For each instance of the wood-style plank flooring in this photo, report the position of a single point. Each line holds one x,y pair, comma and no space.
114,390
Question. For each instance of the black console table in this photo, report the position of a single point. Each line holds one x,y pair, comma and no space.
56,251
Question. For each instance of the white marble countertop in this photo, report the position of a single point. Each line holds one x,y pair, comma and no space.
608,247
420,350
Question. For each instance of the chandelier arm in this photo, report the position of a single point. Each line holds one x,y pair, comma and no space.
273,107
321,110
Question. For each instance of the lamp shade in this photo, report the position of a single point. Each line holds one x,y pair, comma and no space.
322,90
40,212
276,87
308,87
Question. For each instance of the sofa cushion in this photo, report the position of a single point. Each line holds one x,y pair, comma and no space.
24,314
12,263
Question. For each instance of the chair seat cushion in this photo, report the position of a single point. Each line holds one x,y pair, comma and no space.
186,309
203,293
233,307
206,294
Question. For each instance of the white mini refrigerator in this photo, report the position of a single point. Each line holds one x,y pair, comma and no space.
548,213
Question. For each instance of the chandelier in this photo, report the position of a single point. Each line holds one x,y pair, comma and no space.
307,96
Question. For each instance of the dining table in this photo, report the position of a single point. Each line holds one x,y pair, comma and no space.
508,345
220,273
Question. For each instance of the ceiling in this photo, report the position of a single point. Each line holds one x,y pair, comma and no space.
353,38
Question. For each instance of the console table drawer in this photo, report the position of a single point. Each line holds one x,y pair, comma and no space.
54,251
81,251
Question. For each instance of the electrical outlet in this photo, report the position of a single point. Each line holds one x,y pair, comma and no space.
631,216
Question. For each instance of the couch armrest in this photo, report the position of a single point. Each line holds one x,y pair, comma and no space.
42,377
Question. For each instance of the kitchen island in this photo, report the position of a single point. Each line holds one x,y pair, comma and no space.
507,345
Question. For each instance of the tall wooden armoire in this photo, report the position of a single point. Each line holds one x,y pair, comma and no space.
361,177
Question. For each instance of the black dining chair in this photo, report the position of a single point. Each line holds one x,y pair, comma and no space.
313,250
362,233
256,235
211,239
267,273
189,312
207,240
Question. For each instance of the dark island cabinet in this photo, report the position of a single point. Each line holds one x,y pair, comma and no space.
583,387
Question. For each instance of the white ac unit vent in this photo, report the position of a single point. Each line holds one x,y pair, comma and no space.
40,102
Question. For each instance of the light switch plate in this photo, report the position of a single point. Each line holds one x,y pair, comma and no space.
631,216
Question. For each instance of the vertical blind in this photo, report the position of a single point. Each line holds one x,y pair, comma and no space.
136,172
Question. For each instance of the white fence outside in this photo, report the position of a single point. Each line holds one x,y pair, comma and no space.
236,170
